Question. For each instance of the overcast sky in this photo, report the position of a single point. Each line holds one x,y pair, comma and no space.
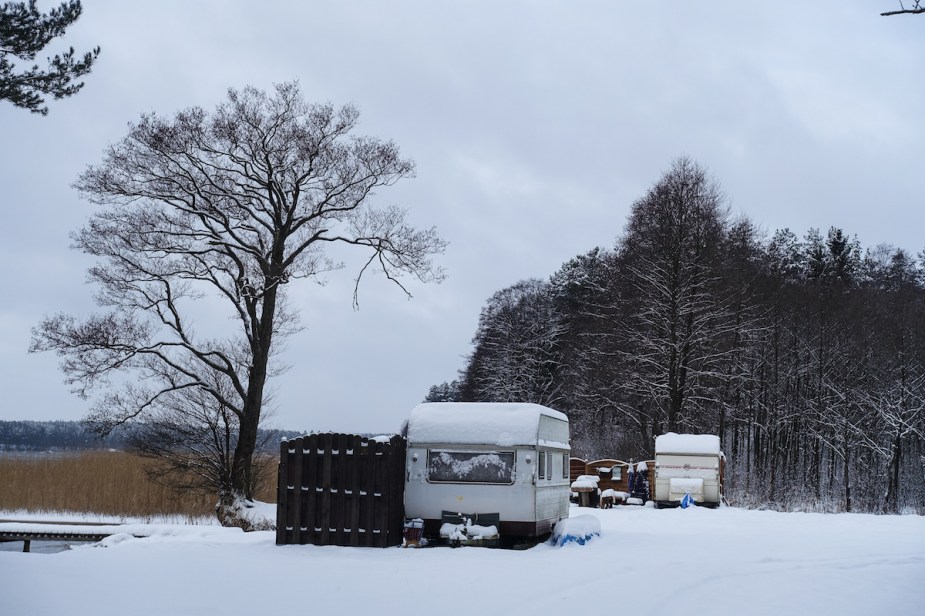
534,126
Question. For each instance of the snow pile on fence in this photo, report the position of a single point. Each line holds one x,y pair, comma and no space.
579,529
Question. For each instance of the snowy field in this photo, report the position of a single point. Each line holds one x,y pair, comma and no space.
728,561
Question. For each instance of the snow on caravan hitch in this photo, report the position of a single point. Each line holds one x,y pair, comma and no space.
479,529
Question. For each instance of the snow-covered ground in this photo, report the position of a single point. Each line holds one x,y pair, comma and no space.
727,561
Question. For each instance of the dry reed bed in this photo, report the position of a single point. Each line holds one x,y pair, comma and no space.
103,482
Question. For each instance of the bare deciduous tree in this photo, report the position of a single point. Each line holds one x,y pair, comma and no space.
677,322
192,440
234,204
912,10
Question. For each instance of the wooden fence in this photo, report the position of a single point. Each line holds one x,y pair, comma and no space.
340,489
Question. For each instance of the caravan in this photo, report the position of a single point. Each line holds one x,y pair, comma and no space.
504,463
688,464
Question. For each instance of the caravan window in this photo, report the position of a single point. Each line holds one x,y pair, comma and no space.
542,461
565,466
470,466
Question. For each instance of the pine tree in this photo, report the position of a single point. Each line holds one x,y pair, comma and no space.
24,32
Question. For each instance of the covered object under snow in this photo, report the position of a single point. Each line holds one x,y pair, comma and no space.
509,459
688,464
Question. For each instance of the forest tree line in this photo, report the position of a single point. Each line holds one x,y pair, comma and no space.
39,436
805,354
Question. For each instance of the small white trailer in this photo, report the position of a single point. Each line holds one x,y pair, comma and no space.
491,462
688,464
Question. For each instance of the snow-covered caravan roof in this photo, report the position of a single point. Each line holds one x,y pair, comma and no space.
485,423
687,443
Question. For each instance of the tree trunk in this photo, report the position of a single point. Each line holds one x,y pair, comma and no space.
242,476
846,465
815,473
891,500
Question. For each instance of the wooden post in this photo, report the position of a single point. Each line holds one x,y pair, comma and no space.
368,485
294,518
339,506
387,494
353,480
373,492
281,495
397,493
310,479
326,442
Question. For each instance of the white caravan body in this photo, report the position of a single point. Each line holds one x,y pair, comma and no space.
509,459
688,464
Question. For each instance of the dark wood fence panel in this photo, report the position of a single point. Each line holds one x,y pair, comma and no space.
577,467
340,489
